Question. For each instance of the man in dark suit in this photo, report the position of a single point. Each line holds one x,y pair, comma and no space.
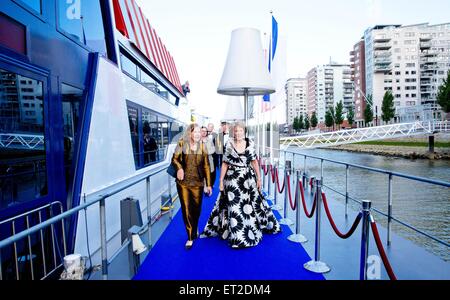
213,136
221,141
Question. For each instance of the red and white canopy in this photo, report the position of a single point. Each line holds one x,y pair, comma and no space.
131,22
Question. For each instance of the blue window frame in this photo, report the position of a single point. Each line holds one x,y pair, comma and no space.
34,5
72,103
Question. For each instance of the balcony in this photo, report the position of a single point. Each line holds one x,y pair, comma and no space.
426,37
429,53
377,54
425,45
428,59
381,38
429,67
382,68
382,46
382,61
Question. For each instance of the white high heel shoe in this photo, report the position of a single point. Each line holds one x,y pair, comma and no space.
189,244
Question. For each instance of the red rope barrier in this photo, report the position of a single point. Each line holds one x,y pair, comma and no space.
273,172
265,169
333,225
386,263
293,206
278,182
302,191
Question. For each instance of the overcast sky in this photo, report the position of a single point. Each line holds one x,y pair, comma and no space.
197,33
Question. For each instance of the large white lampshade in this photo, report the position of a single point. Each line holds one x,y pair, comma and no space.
245,72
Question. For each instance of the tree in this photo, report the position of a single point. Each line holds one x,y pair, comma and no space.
350,116
328,118
387,107
368,113
333,116
301,125
339,116
307,123
443,96
295,124
314,120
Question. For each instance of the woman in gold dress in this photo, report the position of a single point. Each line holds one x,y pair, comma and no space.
192,164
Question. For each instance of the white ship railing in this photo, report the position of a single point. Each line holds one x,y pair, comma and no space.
23,141
357,135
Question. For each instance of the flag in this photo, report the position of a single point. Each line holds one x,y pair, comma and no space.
272,49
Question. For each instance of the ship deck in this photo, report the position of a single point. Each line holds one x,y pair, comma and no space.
275,258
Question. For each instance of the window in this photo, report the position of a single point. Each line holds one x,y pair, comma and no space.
35,5
23,174
71,98
82,20
133,121
150,135
138,73
128,66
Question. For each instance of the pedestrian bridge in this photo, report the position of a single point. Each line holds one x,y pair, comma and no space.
357,135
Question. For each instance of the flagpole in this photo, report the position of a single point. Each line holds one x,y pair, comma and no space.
270,101
263,108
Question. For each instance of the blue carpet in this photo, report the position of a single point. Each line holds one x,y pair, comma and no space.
274,258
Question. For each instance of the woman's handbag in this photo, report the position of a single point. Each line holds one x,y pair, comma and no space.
172,171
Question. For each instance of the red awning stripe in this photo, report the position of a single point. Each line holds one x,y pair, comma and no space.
177,82
169,58
120,21
169,67
148,42
158,41
132,24
152,35
151,46
172,74
176,74
138,22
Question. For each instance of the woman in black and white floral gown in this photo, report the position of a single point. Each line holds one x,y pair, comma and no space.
240,214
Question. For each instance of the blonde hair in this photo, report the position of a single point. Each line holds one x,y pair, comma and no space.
188,132
237,124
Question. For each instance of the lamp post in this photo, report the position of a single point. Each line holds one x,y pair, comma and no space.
245,72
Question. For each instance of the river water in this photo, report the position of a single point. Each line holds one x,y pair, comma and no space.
424,206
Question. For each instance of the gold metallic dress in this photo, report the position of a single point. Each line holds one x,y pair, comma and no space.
190,190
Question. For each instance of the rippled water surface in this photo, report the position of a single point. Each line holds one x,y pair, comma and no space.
424,206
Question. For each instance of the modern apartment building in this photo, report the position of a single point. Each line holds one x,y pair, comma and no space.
328,85
296,98
411,61
358,69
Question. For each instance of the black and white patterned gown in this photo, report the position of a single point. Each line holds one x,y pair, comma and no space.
240,215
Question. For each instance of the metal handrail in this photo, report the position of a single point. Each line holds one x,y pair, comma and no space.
393,218
412,177
389,215
98,196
